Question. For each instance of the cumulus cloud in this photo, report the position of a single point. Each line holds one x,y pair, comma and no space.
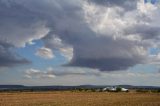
108,35
45,53
67,52
56,44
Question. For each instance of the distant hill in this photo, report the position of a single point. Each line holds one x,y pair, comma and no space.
48,88
139,87
11,86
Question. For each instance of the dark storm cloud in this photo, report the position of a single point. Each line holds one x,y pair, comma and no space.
109,64
106,54
145,31
16,21
8,58
66,21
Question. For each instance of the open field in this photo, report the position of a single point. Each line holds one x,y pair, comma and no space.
79,99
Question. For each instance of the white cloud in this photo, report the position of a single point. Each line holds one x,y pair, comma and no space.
55,43
67,52
68,76
45,53
61,71
33,73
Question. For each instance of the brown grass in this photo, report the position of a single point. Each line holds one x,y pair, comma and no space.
79,99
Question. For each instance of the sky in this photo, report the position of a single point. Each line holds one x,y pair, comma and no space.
79,42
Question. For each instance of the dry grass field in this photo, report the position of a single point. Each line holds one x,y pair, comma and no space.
79,99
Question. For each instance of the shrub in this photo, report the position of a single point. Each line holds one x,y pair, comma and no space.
142,91
118,89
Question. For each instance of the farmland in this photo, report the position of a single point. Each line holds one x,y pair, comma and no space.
68,98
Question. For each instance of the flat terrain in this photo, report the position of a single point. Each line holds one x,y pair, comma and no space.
79,99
